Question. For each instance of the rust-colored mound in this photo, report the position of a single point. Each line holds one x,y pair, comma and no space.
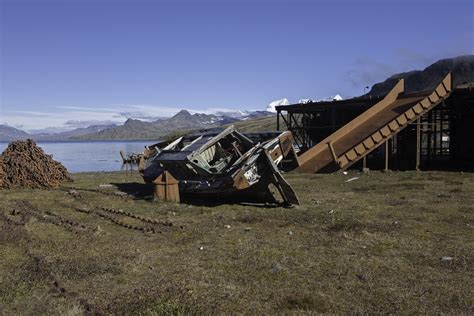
24,164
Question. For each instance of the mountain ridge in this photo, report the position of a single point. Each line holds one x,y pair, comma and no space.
8,133
462,68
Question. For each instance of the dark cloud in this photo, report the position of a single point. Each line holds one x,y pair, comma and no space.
366,72
410,59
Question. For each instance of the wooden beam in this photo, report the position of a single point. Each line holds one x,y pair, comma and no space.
418,144
278,120
333,153
166,188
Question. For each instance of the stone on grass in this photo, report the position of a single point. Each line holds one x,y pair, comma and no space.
276,267
446,259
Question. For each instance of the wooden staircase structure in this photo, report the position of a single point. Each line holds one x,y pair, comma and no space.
373,128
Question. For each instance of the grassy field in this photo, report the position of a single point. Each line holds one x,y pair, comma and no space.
261,124
372,245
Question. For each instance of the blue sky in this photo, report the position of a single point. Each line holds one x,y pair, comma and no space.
69,63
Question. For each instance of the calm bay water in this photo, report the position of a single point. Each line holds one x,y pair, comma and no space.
89,156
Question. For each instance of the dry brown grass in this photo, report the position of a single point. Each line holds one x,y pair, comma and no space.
372,245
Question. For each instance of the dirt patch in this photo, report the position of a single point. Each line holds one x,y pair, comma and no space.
24,164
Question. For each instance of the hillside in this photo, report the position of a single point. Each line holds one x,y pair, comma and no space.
71,134
462,68
8,133
261,124
131,129
183,121
136,129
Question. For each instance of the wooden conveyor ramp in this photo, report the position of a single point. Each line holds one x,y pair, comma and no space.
372,128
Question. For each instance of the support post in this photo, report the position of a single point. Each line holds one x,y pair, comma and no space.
333,153
429,134
386,155
166,188
278,120
418,143
391,150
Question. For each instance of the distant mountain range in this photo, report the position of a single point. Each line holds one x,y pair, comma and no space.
69,135
182,121
134,129
8,133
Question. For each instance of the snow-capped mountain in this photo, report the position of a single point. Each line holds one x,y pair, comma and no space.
284,101
337,97
233,114
303,101
240,115
272,105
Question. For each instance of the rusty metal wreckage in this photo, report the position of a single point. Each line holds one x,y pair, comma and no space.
241,167
228,165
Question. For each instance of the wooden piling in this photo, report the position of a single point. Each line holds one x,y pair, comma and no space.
166,188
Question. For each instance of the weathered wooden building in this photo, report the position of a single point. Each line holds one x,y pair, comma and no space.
423,130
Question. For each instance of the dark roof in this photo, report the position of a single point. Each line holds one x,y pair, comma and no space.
363,101
354,102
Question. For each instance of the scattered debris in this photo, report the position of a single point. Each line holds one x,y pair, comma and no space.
361,277
446,259
130,158
227,226
24,164
118,217
276,267
345,173
290,233
105,186
121,194
74,193
351,179
227,165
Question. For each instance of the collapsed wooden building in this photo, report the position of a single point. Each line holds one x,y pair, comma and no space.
399,131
